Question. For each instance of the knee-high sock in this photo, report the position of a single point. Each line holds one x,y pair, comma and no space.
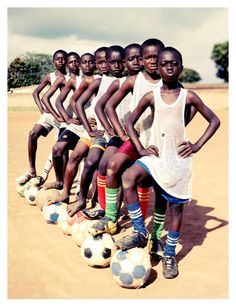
143,195
135,214
111,202
158,221
101,183
47,167
171,242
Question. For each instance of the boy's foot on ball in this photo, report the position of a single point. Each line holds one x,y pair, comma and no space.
53,185
25,178
135,239
104,225
72,209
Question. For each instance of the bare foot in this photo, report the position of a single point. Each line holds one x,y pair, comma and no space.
63,199
53,185
72,209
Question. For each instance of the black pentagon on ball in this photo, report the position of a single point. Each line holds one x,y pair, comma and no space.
116,268
32,198
98,237
139,271
87,252
126,279
106,253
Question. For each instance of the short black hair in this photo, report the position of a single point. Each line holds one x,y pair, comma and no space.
73,53
152,42
60,51
100,49
130,46
174,50
87,53
116,48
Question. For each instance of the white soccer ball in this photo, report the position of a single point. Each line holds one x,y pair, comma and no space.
30,193
79,230
65,222
43,197
97,251
131,268
52,212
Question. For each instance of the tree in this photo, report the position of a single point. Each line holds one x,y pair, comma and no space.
29,69
189,75
220,55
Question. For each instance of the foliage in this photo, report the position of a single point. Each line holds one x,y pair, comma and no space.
220,55
189,75
29,69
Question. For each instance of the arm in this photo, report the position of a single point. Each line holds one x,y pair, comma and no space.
62,97
146,101
186,148
46,98
46,81
92,89
100,106
114,101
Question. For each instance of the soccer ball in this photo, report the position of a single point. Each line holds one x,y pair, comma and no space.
131,268
43,197
65,222
79,230
30,193
52,212
97,251
20,187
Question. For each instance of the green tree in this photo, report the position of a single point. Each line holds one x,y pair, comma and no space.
189,75
220,55
29,69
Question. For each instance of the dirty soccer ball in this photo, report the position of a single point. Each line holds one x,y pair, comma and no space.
97,251
131,268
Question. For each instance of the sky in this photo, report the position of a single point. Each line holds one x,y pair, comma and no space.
192,30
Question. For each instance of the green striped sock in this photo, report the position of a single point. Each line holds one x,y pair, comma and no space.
111,200
158,221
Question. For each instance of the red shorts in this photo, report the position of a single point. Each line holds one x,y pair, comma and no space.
129,149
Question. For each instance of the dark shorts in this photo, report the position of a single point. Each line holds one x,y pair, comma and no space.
115,141
129,149
70,137
99,142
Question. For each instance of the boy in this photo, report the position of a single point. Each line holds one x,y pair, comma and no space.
138,85
46,122
115,58
133,65
73,128
168,159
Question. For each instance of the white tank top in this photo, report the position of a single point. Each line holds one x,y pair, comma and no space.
53,78
141,87
171,172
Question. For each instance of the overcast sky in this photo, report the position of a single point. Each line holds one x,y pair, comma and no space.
193,31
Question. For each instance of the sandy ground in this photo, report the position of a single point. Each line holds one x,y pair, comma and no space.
45,263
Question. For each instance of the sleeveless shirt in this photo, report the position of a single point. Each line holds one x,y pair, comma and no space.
171,172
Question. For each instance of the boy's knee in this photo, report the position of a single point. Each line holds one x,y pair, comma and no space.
33,135
113,168
126,179
58,149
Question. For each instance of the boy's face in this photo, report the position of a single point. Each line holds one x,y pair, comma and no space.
59,60
169,66
150,58
87,65
73,63
101,63
115,64
133,60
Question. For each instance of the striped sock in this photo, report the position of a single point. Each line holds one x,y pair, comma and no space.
171,242
158,221
47,167
101,183
111,200
143,195
135,214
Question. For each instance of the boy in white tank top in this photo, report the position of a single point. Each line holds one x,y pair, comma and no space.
136,85
72,129
46,122
169,144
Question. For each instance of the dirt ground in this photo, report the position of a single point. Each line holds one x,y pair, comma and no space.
45,263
